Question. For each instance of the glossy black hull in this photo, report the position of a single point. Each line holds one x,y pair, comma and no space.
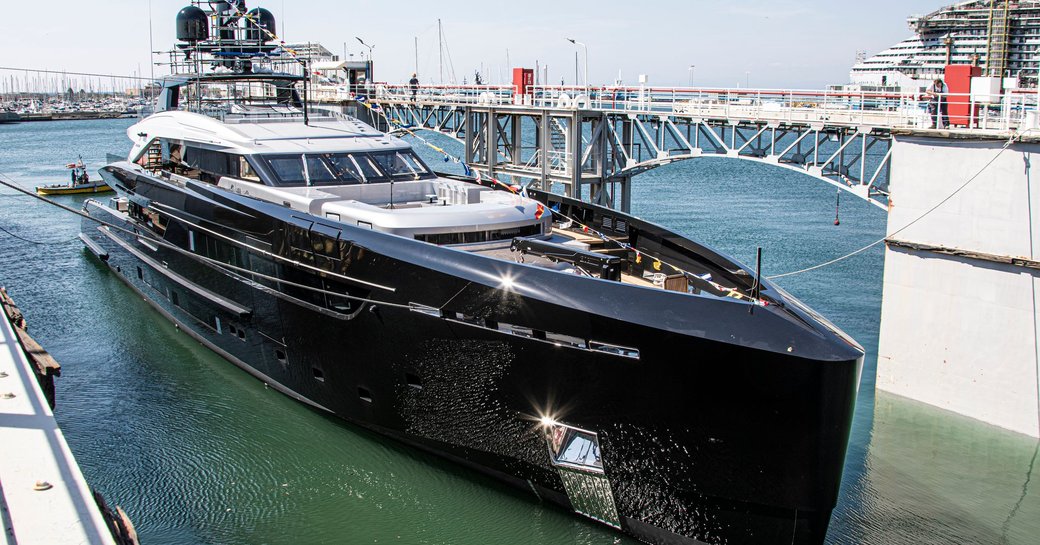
704,438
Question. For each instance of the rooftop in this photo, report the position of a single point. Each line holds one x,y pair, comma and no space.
271,131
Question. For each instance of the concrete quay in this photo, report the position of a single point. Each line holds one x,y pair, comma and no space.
44,498
960,315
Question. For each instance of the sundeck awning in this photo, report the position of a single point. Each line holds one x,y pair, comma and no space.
340,65
329,65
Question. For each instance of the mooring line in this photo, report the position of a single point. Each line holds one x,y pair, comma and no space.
1015,137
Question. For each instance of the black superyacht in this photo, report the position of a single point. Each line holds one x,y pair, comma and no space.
592,359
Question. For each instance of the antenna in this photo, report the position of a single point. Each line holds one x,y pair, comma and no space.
306,77
151,54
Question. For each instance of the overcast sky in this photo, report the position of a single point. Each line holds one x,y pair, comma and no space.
771,43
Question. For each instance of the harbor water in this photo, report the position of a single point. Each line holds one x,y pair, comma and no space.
198,452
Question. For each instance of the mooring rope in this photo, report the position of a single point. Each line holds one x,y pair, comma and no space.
7,181
1014,138
522,191
37,242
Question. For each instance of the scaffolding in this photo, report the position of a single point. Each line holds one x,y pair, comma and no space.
997,38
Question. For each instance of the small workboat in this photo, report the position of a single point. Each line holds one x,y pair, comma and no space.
79,183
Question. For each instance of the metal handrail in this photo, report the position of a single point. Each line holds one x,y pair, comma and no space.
995,112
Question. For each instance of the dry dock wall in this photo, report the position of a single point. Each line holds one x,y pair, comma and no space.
960,314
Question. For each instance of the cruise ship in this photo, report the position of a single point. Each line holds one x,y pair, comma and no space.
589,358
1001,36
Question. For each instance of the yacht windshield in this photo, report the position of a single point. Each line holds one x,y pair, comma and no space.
400,164
288,170
346,168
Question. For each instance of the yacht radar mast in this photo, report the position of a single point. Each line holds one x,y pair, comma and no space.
226,41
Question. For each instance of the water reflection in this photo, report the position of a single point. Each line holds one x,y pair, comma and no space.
935,477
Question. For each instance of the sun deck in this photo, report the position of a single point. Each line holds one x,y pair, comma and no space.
423,209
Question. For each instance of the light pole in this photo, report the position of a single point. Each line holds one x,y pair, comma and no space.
370,48
586,49
692,66
747,80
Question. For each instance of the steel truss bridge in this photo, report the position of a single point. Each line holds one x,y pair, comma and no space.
592,142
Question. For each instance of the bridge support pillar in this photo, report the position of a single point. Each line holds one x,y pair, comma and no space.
574,153
491,142
961,306
469,143
626,194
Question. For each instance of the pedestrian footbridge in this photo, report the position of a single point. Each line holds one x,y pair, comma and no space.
592,141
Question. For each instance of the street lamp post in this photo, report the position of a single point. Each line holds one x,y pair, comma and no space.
370,48
747,80
370,70
692,66
586,49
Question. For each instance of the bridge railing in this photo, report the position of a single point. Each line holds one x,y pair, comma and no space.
1005,111
998,112
447,94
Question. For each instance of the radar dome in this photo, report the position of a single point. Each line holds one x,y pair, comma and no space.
260,17
192,25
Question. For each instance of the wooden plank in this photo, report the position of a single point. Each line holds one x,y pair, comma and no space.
967,254
636,281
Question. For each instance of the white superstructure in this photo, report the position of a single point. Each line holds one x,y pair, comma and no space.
334,167
960,34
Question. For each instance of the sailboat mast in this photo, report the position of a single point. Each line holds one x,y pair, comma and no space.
151,56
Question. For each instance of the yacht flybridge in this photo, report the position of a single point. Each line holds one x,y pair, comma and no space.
335,168
598,361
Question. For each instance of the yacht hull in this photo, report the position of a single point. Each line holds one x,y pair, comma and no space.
702,438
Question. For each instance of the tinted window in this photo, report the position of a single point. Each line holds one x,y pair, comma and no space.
368,167
345,168
319,172
474,237
412,160
289,170
402,164
212,162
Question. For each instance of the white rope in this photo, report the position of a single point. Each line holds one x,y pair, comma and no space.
7,181
1006,145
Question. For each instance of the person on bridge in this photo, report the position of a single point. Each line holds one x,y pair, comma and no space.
937,103
413,84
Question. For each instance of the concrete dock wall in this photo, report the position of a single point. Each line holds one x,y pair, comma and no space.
959,317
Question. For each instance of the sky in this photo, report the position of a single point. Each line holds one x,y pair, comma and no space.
758,43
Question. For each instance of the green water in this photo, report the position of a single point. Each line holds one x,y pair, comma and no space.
197,451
